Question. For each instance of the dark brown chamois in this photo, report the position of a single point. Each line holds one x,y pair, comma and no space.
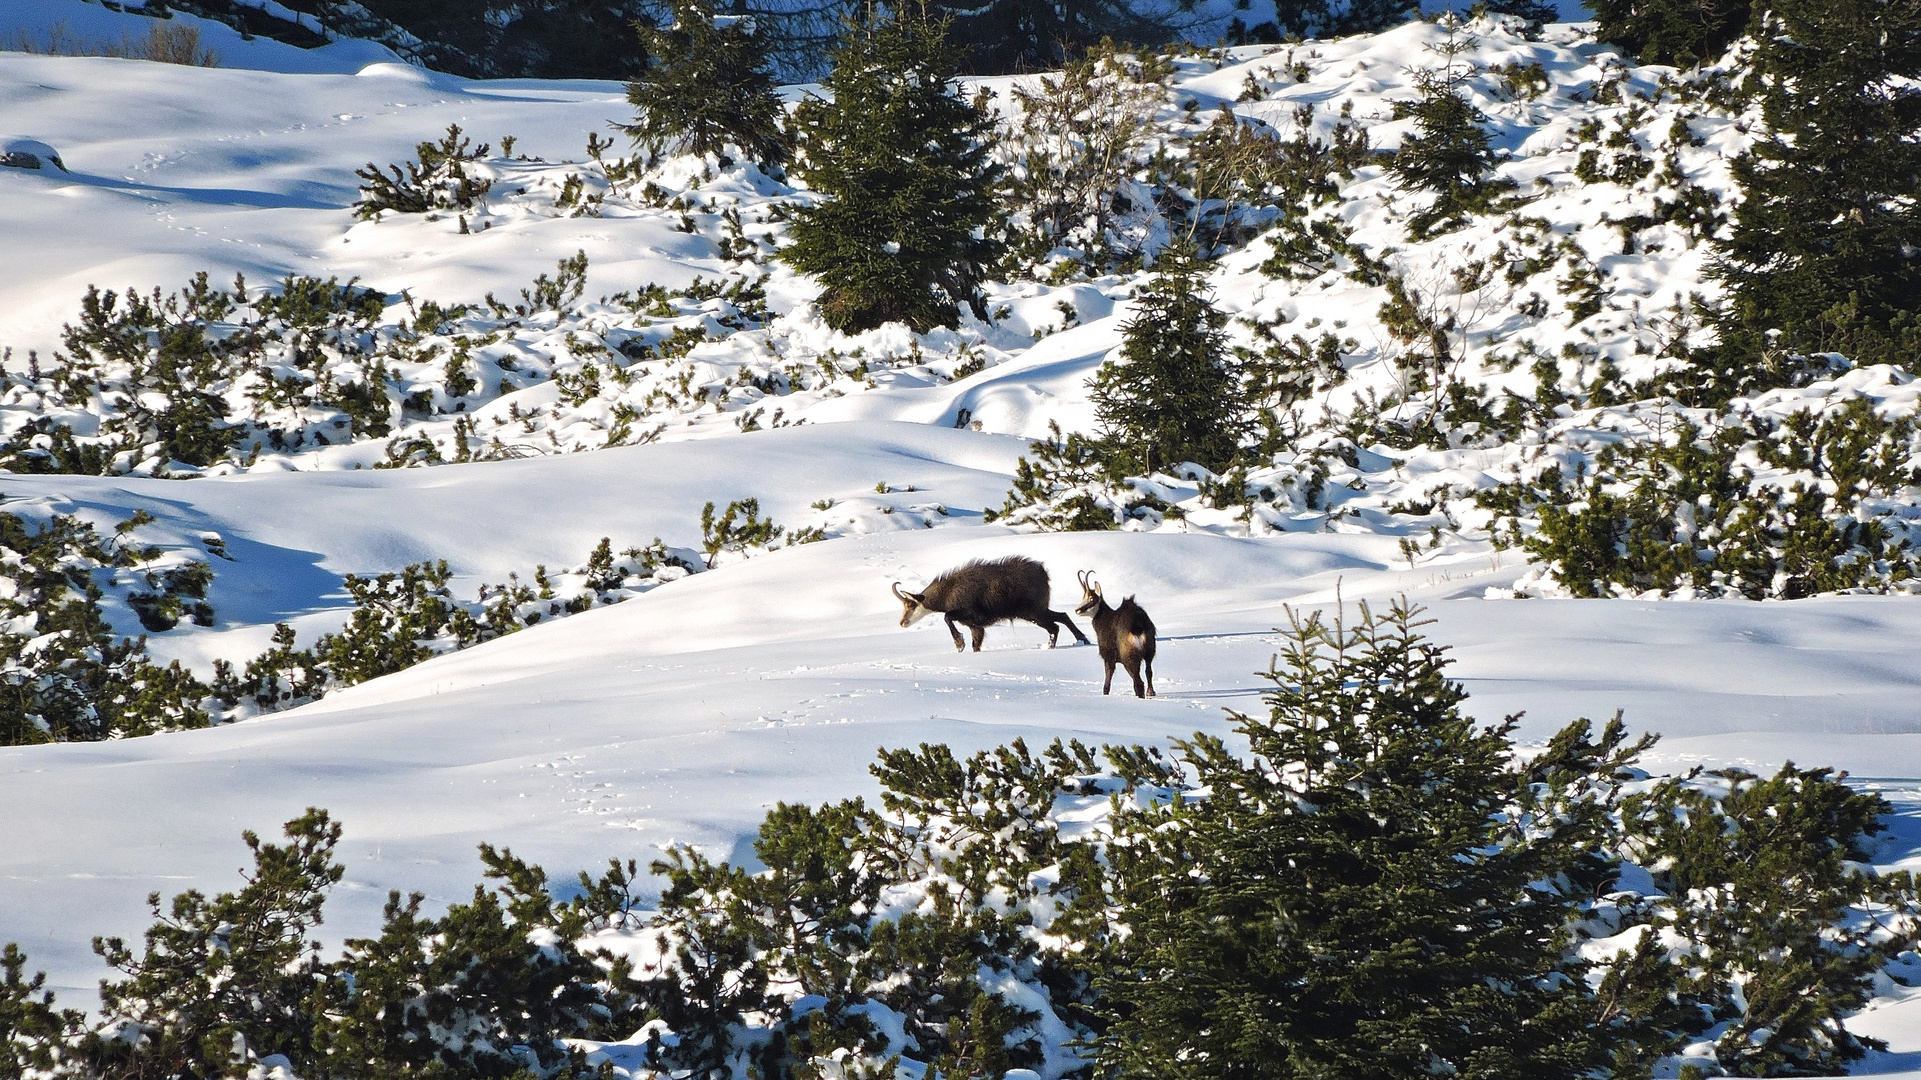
981,593
1125,635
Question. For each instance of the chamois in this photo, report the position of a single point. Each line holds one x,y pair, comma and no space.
1125,635
980,593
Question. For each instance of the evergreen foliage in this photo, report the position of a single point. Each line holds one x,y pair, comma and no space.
1074,150
1448,154
708,88
1825,252
1688,512
229,980
1376,891
1683,33
208,378
1008,36
63,674
903,163
1765,887
33,1034
438,181
1063,484
1173,397
65,678
736,529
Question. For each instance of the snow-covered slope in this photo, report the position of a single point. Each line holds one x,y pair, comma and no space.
684,713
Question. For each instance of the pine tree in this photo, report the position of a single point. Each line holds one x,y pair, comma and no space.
1775,951
709,88
1378,891
903,161
32,1032
1173,397
1826,245
1448,154
226,981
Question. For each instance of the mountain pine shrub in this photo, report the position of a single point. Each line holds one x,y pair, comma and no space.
902,160
1772,933
1064,483
35,1037
64,674
439,180
708,88
225,981
1080,137
1812,503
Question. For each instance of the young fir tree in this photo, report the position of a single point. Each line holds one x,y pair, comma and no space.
1448,153
710,87
1173,396
1378,891
903,161
1826,245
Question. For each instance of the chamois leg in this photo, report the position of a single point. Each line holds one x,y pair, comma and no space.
1062,616
959,645
1134,672
1108,686
1148,662
980,635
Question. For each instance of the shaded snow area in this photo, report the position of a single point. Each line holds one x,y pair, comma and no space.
545,409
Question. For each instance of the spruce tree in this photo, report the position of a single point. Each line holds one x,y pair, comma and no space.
710,87
1378,891
1448,154
1826,245
1173,396
903,162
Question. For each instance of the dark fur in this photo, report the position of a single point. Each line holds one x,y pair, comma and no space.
1125,635
981,593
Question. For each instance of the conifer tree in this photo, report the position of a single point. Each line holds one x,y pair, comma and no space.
32,1031
1678,32
1826,245
1173,397
1359,898
1448,154
903,161
710,87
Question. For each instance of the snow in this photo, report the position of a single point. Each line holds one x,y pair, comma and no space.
683,714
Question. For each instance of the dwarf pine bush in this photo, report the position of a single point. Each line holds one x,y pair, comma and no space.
438,180
1784,508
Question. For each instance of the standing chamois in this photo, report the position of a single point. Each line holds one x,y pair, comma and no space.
1125,635
983,592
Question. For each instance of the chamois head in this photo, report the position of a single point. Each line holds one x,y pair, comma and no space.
913,606
1090,594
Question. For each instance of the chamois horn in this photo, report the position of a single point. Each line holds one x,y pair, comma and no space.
897,593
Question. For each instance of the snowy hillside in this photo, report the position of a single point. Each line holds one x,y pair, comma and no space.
492,403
